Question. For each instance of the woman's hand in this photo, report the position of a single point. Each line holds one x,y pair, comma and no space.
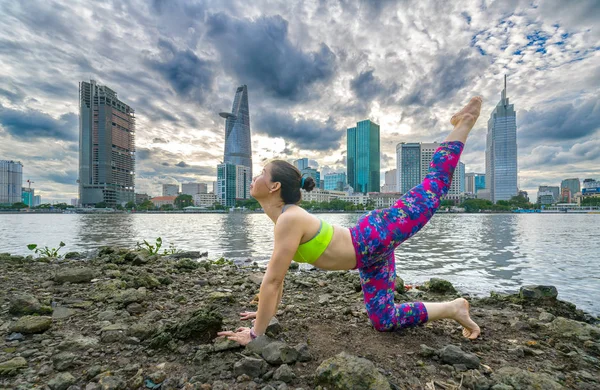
247,315
241,335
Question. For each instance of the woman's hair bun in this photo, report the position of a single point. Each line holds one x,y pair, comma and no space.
309,184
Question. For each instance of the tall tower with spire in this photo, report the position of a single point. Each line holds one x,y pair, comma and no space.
501,151
238,145
234,174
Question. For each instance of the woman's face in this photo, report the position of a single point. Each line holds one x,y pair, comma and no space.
261,184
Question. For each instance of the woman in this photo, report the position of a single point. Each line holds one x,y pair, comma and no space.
368,246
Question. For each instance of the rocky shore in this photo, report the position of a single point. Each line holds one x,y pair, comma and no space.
125,319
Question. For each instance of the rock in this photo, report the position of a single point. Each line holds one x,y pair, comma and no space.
202,326
32,324
284,373
278,352
61,313
323,299
451,354
72,255
157,376
523,379
345,371
546,317
304,354
107,315
187,264
203,352
538,292
189,254
63,361
131,295
221,297
258,344
113,333
74,275
15,337
112,383
427,351
256,278
520,325
134,308
439,286
563,327
12,366
252,367
274,328
27,304
224,344
142,330
399,287
144,279
62,381
78,343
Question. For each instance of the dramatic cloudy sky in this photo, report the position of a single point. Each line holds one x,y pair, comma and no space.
313,68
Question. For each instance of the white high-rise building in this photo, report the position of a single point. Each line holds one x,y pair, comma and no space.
193,188
501,151
391,184
11,181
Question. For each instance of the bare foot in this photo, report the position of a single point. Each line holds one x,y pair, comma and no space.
470,112
471,329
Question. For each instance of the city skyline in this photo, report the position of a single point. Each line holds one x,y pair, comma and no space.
306,88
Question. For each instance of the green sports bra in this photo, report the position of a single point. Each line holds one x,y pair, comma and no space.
312,249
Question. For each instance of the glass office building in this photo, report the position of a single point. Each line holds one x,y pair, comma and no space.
501,151
363,155
238,145
335,181
408,165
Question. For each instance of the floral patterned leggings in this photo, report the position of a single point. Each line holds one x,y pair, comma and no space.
379,232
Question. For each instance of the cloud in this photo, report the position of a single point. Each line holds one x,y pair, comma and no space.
189,75
158,140
182,164
564,121
307,134
31,124
63,177
368,87
260,53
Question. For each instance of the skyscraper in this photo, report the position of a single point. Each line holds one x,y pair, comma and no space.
390,184
501,151
301,163
363,154
574,185
170,189
193,188
474,182
335,181
11,181
408,165
238,145
106,146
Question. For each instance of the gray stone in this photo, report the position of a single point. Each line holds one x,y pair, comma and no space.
27,304
61,313
142,330
274,328
112,383
563,327
523,379
12,365
546,317
135,308
32,324
203,352
284,373
427,351
345,371
451,354
63,361
78,343
538,292
278,352
304,354
224,344
223,297
250,366
74,275
258,344
256,278
131,295
439,286
107,315
62,381
502,386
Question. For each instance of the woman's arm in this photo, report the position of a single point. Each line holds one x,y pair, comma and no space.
287,239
